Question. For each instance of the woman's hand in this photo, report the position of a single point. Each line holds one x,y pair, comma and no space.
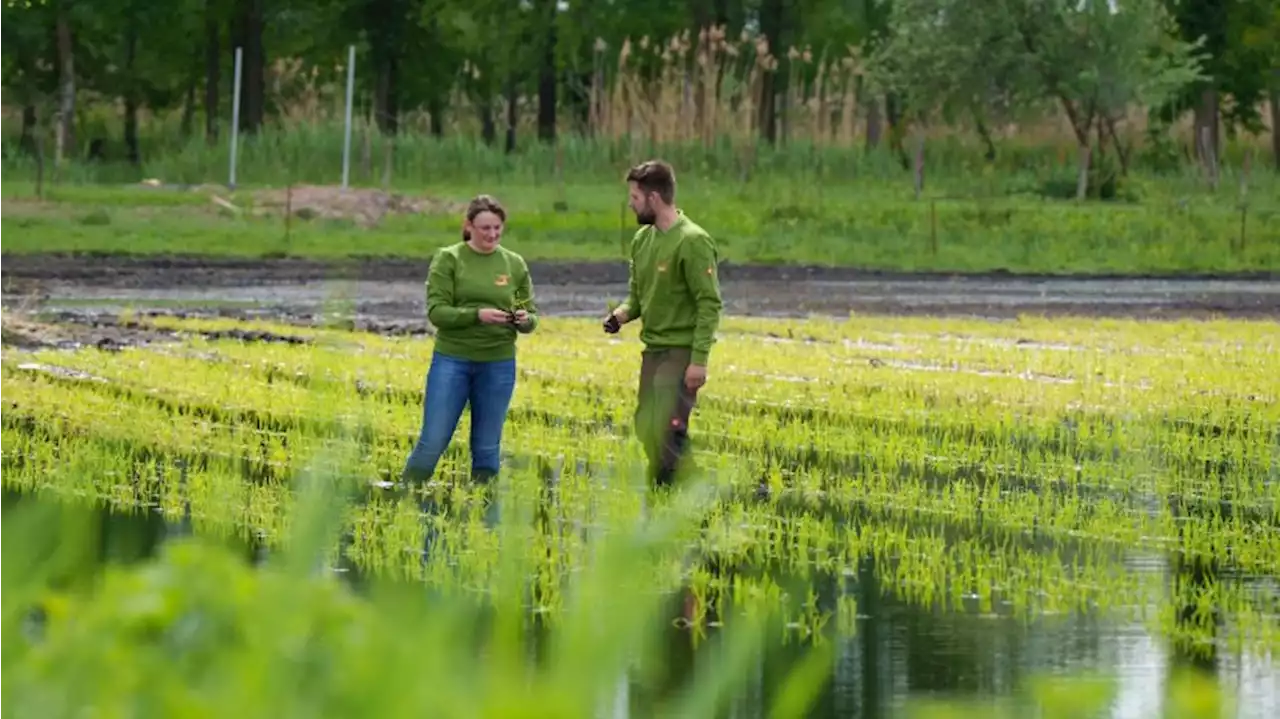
490,316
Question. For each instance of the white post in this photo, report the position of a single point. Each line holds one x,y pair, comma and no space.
235,121
346,140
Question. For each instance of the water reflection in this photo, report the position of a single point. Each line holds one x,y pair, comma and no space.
129,534
903,653
900,652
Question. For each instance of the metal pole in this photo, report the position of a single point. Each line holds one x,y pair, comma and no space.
235,120
346,140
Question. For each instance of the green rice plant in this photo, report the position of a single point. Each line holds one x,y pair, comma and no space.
1006,469
195,630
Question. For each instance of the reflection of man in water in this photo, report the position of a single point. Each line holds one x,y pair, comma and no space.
675,289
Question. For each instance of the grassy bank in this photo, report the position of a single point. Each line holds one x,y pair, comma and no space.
790,206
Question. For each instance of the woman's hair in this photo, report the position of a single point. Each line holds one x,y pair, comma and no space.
482,203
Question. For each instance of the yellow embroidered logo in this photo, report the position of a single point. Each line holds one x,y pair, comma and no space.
662,267
711,270
501,281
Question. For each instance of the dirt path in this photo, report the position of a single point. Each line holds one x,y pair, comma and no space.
388,294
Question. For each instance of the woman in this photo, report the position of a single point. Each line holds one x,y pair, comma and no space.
479,296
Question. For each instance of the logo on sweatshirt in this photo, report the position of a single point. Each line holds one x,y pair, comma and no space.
501,281
662,267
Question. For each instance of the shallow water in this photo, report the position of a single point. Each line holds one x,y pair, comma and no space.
901,652
391,291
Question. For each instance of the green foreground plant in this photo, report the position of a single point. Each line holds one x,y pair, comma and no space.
195,631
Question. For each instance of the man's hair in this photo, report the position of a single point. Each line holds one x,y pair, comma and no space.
655,176
482,203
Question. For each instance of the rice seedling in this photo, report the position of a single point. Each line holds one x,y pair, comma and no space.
1030,470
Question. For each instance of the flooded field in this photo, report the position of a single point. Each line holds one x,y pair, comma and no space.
389,295
949,500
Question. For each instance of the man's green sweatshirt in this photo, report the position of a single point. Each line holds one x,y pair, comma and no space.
460,283
674,287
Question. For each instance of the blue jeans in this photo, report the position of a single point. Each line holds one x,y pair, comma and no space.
452,383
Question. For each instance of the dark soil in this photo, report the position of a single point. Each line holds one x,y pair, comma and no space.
180,270
388,294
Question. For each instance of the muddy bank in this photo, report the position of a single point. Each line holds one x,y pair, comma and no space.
390,294
178,270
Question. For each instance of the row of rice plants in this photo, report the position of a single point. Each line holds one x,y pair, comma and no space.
1094,456
230,410
749,547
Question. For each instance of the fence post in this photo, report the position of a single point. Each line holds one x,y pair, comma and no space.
346,140
933,226
235,121
1244,194
919,162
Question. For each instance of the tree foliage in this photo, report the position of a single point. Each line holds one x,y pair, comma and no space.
985,60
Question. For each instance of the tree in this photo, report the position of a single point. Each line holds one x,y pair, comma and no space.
26,43
1093,59
1239,45
1258,52
953,56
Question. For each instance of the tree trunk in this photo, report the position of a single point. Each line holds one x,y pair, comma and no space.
385,23
189,106
513,112
1207,126
435,108
386,100
874,127
131,88
701,11
67,80
1080,125
488,126
984,132
437,92
547,81
771,21
1082,178
27,142
256,65
248,32
1122,152
897,129
212,70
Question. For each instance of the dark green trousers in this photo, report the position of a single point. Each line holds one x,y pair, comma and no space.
663,408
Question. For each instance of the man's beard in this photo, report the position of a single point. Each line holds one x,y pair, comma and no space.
646,217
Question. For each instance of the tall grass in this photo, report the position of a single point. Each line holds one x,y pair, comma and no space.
694,98
312,154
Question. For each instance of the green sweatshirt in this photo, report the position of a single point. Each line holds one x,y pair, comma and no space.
675,288
460,283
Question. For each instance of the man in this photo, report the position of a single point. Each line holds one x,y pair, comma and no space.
675,291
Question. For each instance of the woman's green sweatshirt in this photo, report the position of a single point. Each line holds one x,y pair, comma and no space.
460,283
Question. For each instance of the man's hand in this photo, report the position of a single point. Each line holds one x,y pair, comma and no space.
615,320
490,316
695,376
522,318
